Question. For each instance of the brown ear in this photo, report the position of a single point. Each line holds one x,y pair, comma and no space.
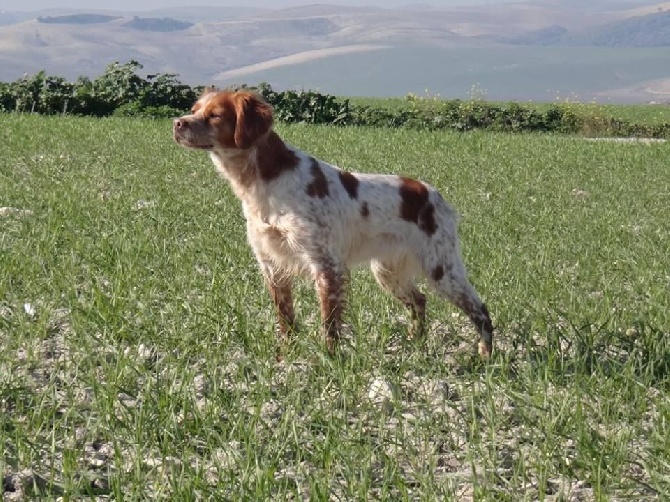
254,118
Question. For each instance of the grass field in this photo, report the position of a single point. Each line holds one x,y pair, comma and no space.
137,342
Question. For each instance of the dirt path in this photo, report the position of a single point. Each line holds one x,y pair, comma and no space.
298,58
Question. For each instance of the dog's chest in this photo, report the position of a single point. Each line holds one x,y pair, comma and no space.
274,240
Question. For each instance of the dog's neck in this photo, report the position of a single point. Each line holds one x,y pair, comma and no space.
250,170
238,167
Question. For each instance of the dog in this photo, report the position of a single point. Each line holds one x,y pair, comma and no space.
306,217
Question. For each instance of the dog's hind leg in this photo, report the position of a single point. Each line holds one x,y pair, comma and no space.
395,280
448,277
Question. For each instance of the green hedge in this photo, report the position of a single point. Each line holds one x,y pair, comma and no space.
121,91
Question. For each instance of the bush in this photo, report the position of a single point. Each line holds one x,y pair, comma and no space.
308,107
38,94
121,91
136,109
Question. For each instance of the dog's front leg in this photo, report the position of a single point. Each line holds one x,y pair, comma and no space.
330,280
280,286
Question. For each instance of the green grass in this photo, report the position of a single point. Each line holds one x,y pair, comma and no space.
147,369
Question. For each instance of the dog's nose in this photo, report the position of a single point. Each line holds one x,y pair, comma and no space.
178,123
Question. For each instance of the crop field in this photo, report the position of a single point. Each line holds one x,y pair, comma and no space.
137,341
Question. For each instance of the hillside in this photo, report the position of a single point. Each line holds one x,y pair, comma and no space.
156,24
380,51
204,50
138,23
650,30
77,19
497,73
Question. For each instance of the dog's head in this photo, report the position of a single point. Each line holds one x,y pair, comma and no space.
222,120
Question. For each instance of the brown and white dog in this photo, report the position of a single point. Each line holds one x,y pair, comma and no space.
307,217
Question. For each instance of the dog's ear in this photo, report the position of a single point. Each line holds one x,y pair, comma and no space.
254,118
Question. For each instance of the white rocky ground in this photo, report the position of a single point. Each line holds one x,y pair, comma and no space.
414,401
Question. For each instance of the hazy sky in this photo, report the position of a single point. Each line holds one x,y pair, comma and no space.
23,5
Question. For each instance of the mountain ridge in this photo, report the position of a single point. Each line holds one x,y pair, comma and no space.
214,45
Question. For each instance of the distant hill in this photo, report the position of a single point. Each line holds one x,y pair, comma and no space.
77,19
500,73
651,30
137,23
552,35
364,50
7,18
195,14
155,24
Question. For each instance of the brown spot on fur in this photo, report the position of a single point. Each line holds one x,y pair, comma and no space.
427,220
271,159
438,273
350,183
365,210
274,158
414,196
415,207
319,185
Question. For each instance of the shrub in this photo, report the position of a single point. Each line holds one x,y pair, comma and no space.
121,91
137,109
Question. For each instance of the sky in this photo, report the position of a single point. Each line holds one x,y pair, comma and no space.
137,5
